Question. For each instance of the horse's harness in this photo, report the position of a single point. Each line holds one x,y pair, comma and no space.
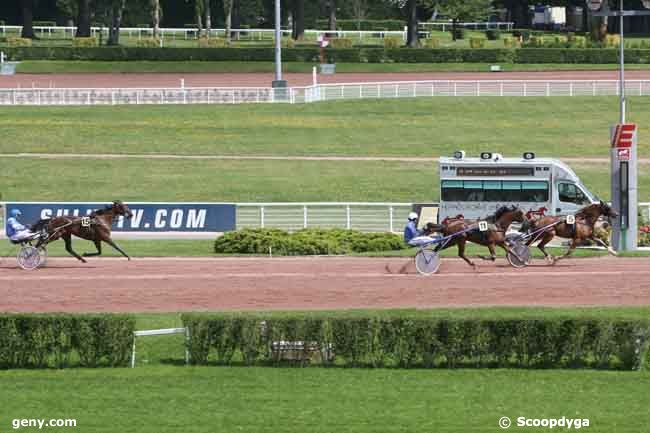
85,222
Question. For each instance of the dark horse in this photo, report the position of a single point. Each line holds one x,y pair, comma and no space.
495,235
582,230
96,227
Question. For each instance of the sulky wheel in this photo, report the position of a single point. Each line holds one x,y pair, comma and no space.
522,257
427,262
29,257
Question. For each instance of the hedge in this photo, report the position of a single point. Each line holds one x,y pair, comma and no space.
416,342
305,242
351,55
64,340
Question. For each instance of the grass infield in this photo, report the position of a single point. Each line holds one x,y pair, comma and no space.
423,127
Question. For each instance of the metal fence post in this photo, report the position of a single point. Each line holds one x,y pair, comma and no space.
304,216
347,217
390,218
261,216
501,89
548,88
571,88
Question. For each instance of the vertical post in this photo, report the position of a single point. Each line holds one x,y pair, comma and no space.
304,216
548,88
187,346
262,216
390,218
278,82
622,73
348,224
133,353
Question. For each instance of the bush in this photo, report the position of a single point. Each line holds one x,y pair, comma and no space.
305,242
510,42
576,41
44,23
213,43
288,43
612,41
148,43
476,42
341,43
432,43
85,42
458,33
64,340
358,339
493,34
14,41
523,34
535,42
393,42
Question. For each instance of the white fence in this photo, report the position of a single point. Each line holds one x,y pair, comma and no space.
321,92
369,217
45,32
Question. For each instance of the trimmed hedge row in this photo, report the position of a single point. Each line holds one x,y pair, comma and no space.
64,340
350,55
416,342
305,242
365,25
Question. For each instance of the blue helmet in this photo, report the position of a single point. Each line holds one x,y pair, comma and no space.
15,213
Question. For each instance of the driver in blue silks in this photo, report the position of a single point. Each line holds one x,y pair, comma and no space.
15,230
411,230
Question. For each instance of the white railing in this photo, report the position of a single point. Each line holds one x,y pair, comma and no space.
507,26
369,217
146,96
190,33
321,92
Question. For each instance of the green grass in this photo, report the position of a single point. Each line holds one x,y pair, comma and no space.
192,399
65,67
242,181
559,126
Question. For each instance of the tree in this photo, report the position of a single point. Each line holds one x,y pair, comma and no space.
298,14
412,35
155,16
464,11
227,10
115,21
28,18
83,19
331,8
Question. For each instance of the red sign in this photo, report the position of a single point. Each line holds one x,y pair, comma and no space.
623,153
594,5
624,135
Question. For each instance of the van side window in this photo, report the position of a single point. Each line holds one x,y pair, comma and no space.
570,193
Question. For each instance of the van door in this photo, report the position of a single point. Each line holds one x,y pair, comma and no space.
569,198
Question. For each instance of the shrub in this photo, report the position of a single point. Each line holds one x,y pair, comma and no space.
14,41
535,42
148,43
510,42
341,43
459,33
85,42
63,340
393,42
612,41
44,23
493,34
476,42
404,340
288,43
213,43
432,43
577,41
523,34
305,242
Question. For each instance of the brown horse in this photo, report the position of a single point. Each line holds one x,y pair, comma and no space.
495,235
581,230
96,228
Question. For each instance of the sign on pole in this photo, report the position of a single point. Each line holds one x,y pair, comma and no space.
624,186
594,5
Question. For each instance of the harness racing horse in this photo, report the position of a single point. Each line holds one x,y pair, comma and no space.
581,230
96,228
495,235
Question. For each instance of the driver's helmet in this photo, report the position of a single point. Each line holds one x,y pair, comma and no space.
412,216
15,213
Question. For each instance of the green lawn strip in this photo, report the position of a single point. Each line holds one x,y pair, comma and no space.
193,399
423,127
60,67
33,179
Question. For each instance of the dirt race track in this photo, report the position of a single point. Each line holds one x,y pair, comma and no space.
184,284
